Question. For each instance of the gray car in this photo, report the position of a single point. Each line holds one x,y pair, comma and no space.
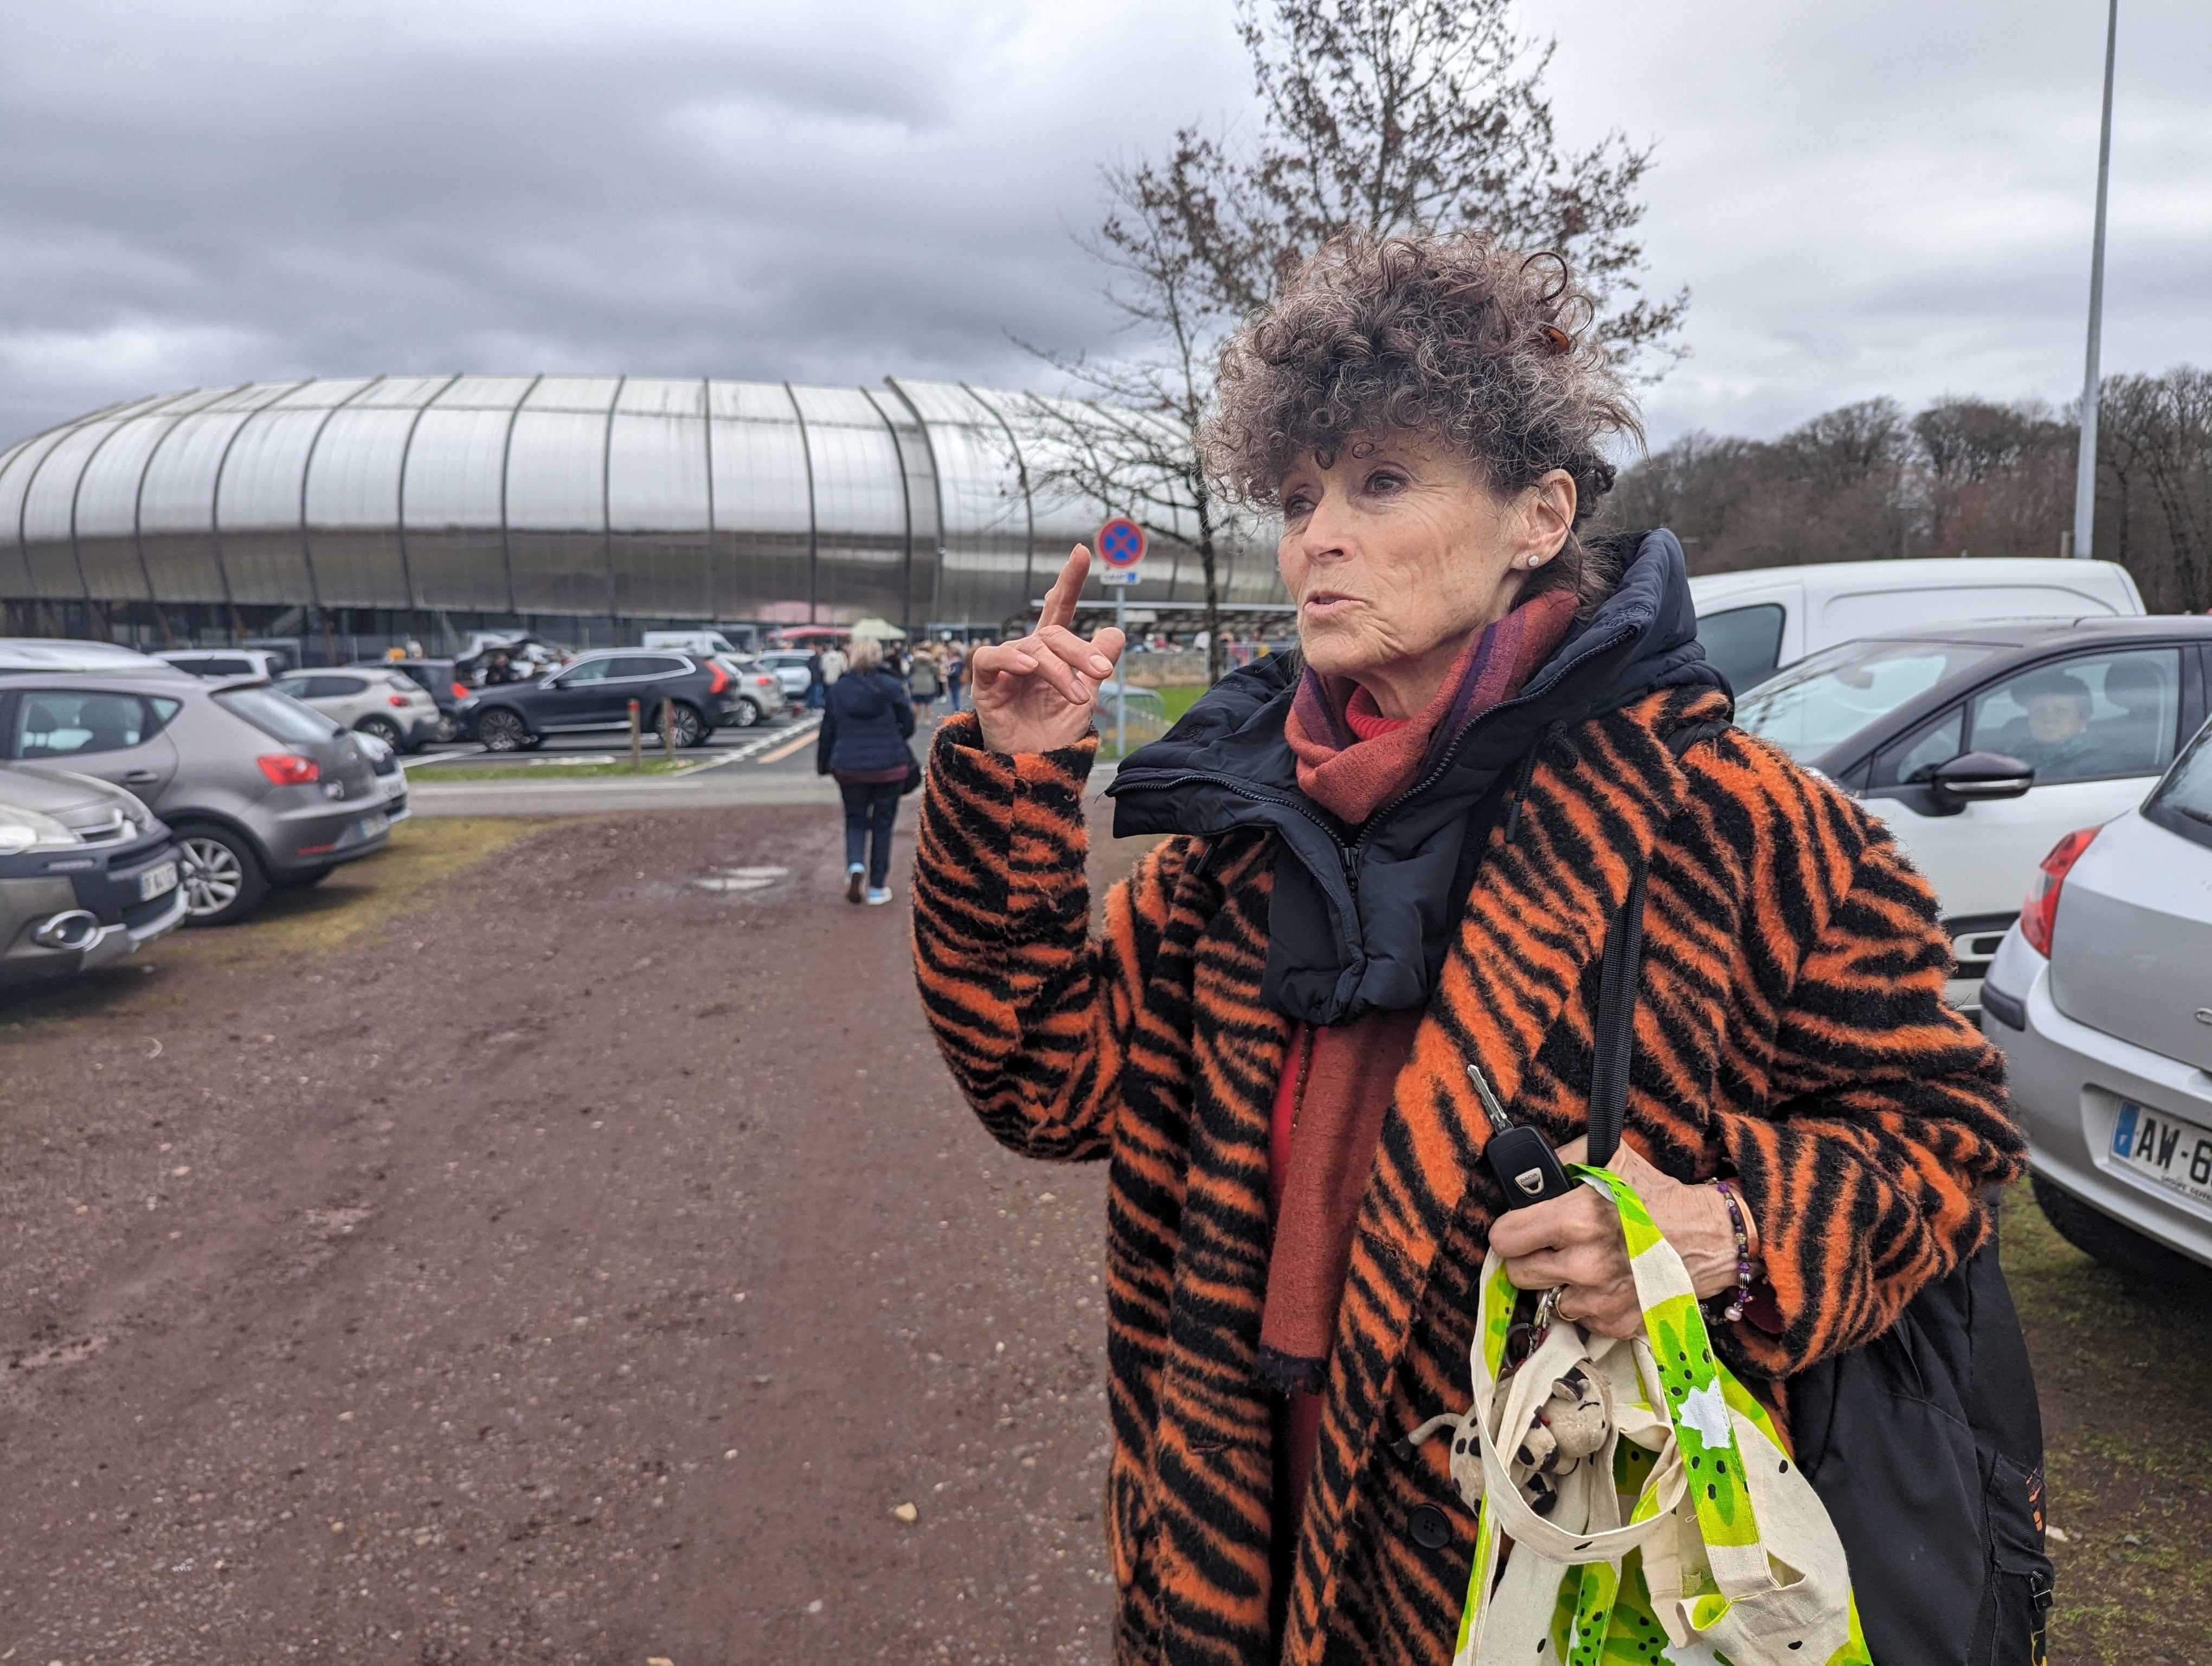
261,792
2100,997
86,874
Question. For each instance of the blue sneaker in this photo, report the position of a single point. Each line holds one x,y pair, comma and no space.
878,895
855,877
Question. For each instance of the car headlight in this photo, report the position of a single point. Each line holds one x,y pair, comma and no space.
27,829
376,746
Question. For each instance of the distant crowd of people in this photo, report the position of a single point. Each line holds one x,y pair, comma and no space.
930,671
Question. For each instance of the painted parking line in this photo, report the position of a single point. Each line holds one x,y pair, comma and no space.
790,746
804,727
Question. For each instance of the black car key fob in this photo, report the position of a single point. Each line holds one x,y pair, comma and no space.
1527,1169
1524,1163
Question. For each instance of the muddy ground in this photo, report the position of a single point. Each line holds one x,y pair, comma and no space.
518,1251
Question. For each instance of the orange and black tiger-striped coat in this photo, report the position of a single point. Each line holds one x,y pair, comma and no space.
1791,1029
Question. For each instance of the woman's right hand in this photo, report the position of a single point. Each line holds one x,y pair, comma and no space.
1035,694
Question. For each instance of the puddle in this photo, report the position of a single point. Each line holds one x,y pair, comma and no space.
742,878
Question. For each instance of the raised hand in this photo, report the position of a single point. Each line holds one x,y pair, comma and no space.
1035,694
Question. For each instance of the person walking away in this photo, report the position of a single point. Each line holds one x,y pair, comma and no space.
867,718
815,684
1373,937
955,668
922,684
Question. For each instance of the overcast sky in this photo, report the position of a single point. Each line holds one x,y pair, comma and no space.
1888,197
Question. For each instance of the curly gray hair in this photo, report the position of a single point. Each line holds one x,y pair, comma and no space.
1479,348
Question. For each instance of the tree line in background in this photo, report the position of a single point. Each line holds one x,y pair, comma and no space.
1964,477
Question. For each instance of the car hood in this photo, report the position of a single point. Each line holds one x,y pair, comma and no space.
56,792
89,807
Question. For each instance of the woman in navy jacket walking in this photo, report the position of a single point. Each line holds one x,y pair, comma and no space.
867,717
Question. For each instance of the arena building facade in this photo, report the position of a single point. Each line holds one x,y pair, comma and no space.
340,515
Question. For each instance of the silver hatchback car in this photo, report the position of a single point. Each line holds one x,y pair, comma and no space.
261,792
86,874
388,704
2102,999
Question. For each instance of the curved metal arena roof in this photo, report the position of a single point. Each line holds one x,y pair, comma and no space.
622,497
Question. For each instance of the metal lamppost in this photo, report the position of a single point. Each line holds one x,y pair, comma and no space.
2085,466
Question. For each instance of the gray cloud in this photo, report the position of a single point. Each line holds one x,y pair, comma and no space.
1879,198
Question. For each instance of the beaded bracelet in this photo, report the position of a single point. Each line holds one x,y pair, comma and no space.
1742,1291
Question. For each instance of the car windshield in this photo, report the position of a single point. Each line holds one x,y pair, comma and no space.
2187,788
1829,696
278,715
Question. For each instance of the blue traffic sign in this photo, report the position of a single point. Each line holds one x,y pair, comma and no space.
1121,542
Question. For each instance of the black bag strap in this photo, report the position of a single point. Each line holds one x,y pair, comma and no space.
1613,1032
1613,1036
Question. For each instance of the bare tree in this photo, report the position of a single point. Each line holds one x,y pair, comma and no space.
1965,476
1124,437
1404,116
1386,116
2157,445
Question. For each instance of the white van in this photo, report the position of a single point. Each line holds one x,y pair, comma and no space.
1752,623
705,641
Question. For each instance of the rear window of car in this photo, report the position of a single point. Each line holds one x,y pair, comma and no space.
649,665
2182,803
277,715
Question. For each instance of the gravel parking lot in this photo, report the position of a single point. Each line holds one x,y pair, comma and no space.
559,1242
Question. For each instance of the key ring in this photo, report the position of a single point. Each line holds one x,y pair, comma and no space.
1546,1304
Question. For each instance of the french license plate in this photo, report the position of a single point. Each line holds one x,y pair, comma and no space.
158,880
372,826
2171,1153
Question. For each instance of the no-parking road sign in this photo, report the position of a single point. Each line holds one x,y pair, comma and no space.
1121,542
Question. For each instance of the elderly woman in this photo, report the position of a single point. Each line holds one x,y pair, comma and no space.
1391,863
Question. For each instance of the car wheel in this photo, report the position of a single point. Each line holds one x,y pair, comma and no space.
384,730
448,730
222,876
499,730
747,714
2119,1247
685,726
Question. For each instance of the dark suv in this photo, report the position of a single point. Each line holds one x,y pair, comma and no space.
594,692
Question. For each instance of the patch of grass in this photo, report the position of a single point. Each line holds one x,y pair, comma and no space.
169,975
423,853
543,769
1180,701
2124,1375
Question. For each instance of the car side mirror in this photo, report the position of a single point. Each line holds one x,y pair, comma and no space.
1978,777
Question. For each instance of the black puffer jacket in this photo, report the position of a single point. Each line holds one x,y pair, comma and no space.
1359,917
866,721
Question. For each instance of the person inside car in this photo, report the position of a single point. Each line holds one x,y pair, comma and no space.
2053,737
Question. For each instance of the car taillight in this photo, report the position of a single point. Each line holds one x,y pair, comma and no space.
399,700
462,690
289,769
721,677
2040,912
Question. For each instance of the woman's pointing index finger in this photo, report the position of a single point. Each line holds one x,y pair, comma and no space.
1059,601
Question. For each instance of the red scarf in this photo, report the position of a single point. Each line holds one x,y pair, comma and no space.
1337,1083
1352,760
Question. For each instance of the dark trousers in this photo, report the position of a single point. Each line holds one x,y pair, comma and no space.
871,807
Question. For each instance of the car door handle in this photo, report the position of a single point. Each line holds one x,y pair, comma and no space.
139,777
